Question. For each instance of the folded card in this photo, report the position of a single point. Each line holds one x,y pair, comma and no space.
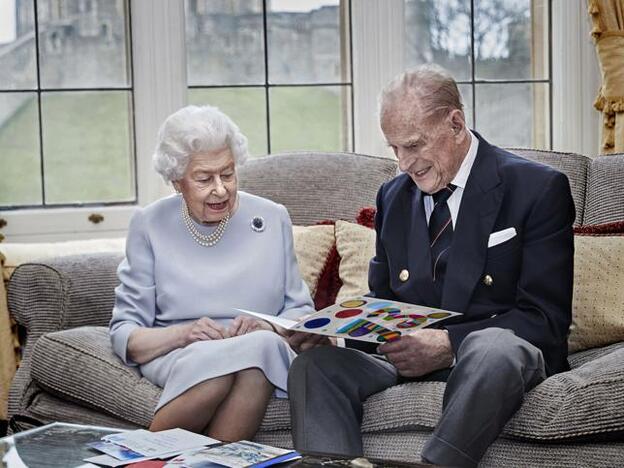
363,318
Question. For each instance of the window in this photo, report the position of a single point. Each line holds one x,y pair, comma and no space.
499,52
66,131
280,69
71,91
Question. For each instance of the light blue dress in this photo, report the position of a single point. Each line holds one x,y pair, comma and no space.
167,278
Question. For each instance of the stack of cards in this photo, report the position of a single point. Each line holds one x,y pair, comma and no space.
134,446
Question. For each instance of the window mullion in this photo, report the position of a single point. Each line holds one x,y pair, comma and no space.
378,56
159,52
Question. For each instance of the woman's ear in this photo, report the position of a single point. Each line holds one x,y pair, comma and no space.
176,185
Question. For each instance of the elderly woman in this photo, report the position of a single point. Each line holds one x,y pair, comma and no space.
191,259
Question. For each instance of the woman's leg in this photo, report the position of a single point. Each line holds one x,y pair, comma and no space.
194,409
241,412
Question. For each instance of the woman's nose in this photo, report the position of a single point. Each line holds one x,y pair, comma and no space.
219,187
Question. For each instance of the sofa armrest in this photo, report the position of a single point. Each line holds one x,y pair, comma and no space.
63,293
58,294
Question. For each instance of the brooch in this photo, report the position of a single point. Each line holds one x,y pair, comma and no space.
257,224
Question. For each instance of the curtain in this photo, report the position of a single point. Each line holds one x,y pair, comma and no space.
608,33
7,350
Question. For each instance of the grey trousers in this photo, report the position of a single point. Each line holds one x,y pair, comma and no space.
327,387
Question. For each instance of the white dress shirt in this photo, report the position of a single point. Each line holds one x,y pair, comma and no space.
459,181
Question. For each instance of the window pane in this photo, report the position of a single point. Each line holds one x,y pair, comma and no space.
87,146
82,44
466,95
224,42
19,150
245,106
17,45
438,31
511,39
514,114
306,42
310,118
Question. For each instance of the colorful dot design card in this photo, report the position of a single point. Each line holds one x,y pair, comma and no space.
366,319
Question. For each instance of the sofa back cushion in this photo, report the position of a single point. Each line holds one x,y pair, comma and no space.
605,190
574,166
317,186
597,318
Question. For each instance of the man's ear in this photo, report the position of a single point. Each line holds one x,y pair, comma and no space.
457,120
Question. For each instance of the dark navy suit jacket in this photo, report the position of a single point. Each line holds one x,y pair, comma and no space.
531,291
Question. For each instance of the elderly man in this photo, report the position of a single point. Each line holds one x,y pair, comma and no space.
467,227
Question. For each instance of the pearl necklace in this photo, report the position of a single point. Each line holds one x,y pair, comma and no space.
203,239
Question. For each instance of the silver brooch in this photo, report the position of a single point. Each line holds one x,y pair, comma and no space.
257,224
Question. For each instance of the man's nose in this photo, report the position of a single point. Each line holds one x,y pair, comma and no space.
405,161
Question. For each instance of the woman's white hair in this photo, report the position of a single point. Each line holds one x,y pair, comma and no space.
193,130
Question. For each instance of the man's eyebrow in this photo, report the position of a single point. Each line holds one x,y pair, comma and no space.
414,141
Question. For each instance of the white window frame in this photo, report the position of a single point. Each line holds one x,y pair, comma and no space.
378,55
160,88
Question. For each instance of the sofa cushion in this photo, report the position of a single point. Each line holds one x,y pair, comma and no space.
356,247
80,366
597,317
583,403
574,166
605,197
335,185
312,247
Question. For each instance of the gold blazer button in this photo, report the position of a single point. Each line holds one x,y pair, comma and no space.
488,280
404,275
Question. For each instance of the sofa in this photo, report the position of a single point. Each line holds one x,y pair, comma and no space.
69,372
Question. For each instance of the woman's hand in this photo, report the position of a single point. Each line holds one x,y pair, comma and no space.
243,324
204,329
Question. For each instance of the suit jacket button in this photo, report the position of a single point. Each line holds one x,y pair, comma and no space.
404,275
488,280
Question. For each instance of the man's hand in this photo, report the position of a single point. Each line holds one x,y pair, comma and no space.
243,324
204,329
302,341
419,353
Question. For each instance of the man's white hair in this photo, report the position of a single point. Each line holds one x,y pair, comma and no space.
430,86
193,130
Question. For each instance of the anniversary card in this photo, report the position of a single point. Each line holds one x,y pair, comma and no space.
363,318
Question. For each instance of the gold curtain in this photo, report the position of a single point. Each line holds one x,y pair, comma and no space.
608,32
7,348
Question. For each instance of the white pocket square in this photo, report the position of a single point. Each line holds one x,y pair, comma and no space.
499,237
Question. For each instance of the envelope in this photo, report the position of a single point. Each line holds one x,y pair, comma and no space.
499,237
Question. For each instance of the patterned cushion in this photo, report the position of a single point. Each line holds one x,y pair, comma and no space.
312,246
356,247
598,301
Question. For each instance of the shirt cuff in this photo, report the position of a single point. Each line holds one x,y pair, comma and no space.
454,357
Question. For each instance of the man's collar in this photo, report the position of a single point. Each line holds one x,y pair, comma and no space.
464,170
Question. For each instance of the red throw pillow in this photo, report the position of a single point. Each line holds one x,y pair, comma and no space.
366,217
329,282
606,229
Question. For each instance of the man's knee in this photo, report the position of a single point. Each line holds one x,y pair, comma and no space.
310,363
501,348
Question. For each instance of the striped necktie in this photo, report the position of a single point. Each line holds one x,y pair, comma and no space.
440,236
